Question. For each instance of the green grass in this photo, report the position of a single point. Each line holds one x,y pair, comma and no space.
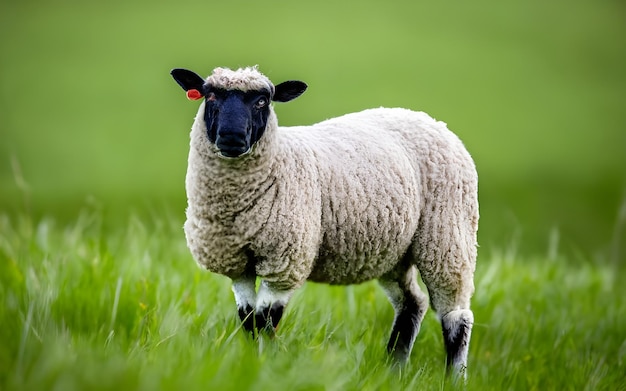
86,306
90,116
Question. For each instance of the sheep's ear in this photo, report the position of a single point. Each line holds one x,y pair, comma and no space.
189,81
289,90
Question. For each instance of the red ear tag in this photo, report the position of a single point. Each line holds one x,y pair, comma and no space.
194,95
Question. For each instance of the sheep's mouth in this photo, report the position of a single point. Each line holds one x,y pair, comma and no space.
233,153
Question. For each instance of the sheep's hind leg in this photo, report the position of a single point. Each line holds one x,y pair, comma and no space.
450,297
245,297
410,305
457,330
270,305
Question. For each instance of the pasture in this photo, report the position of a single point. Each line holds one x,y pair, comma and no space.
98,290
89,308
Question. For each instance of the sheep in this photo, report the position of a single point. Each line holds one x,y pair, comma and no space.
385,194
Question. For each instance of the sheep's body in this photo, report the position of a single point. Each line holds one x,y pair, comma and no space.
363,196
338,202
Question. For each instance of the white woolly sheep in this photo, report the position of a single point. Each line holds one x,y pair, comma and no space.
379,194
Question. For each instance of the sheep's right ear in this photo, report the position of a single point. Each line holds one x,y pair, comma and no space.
189,81
289,90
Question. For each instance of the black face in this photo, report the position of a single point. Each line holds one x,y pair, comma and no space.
235,119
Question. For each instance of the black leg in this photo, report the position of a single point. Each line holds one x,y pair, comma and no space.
246,314
410,305
405,327
267,318
457,329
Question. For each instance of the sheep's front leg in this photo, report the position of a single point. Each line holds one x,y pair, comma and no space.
270,305
245,297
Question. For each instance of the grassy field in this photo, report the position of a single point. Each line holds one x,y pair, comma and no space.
86,308
97,288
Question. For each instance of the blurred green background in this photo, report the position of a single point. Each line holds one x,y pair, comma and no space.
536,89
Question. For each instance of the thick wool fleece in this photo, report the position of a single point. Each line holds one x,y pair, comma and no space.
342,201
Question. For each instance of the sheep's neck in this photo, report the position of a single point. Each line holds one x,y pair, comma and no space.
233,188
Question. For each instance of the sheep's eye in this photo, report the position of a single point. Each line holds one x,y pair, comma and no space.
262,102
211,97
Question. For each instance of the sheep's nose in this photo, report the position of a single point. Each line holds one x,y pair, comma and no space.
232,144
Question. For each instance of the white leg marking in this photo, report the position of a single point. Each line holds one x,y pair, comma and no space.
268,296
244,290
394,293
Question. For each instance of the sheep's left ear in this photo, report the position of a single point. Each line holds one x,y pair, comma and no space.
190,81
289,90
